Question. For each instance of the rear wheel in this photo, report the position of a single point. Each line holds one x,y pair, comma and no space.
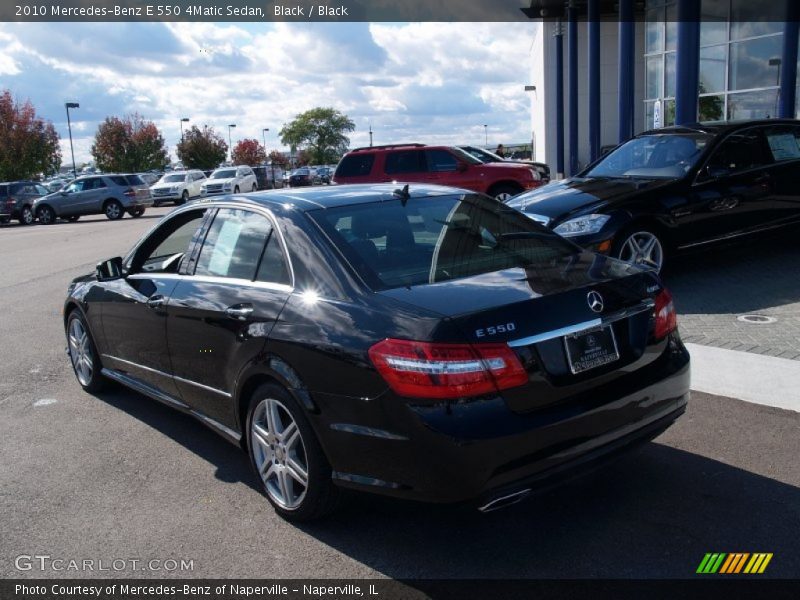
27,217
504,193
136,212
287,458
113,210
83,354
641,247
46,215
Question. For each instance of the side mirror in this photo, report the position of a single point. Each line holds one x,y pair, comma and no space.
110,269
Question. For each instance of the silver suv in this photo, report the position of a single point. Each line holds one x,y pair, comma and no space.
109,194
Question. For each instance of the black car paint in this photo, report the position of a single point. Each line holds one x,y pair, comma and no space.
312,338
691,211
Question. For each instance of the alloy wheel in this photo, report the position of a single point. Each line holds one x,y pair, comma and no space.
643,248
113,210
27,216
80,352
279,453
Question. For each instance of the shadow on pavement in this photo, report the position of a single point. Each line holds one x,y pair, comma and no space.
736,279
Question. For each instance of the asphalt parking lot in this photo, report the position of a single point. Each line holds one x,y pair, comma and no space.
120,476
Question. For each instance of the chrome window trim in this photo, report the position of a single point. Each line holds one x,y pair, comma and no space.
181,379
624,313
266,285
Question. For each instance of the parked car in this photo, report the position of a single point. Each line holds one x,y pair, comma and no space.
677,188
426,343
227,180
485,156
56,184
178,187
444,165
109,194
301,177
149,177
269,177
17,199
325,174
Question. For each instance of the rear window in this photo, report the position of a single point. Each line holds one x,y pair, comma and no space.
437,239
135,180
355,165
119,180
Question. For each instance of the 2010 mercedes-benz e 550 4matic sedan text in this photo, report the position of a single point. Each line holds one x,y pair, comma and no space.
430,343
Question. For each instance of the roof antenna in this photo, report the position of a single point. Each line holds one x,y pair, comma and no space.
403,194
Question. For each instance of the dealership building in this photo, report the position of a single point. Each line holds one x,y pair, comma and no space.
606,70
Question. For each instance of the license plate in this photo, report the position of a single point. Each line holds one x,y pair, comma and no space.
591,349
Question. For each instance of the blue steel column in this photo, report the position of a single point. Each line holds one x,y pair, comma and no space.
593,60
559,41
789,62
687,62
572,78
626,70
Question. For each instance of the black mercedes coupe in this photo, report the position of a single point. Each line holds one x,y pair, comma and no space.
419,341
677,188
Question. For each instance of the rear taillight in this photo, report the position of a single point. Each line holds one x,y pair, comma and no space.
442,371
666,318
11,201
130,192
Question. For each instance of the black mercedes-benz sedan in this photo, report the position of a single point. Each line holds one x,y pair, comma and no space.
425,342
677,188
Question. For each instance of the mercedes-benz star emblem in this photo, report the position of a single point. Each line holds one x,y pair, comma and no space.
595,301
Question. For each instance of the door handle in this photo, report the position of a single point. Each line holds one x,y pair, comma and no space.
156,301
240,312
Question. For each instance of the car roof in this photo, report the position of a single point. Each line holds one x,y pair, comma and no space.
312,198
719,127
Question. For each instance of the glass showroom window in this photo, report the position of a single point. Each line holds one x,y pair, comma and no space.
661,35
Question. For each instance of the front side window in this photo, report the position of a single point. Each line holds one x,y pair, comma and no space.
440,238
75,186
167,246
740,151
440,160
234,245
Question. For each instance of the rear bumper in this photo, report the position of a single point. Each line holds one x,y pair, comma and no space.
480,449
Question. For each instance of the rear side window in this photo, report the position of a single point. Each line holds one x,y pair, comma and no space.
436,239
234,245
119,180
784,142
355,165
740,151
405,161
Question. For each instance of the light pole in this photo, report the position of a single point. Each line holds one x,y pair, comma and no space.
264,136
486,135
370,135
69,105
532,88
183,120
230,143
272,165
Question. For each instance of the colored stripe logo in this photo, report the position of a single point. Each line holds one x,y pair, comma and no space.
733,563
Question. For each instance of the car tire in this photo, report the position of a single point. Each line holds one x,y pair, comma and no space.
503,193
136,212
280,446
184,198
46,215
83,354
27,217
255,187
73,218
641,246
236,190
113,210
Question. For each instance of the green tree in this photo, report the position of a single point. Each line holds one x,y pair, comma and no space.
249,152
202,148
28,144
129,145
321,132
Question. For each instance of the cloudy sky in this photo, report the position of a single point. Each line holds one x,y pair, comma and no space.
427,82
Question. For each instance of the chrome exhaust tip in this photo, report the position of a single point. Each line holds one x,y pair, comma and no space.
504,501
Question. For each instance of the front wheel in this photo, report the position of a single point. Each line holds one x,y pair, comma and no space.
83,354
255,187
184,197
27,217
641,247
113,210
504,193
236,190
287,458
46,215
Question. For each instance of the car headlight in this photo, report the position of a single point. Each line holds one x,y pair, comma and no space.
227,186
585,225
174,188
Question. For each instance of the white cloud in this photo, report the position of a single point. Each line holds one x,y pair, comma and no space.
429,82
